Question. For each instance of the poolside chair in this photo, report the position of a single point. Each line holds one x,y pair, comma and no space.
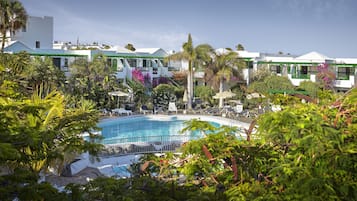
172,107
158,110
120,111
144,109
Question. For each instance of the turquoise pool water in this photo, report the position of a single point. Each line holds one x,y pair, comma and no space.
145,129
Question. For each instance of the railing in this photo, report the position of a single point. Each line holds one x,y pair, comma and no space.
343,77
170,68
300,76
144,144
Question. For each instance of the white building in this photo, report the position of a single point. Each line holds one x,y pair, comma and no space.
37,39
304,67
37,34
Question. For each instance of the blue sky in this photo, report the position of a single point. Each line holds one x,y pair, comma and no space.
290,26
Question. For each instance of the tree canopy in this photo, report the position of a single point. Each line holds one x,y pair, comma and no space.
13,17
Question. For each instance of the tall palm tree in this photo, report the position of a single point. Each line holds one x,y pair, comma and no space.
195,57
13,17
222,67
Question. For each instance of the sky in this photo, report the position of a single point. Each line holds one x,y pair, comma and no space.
268,26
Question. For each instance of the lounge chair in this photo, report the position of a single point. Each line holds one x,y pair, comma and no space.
172,107
120,111
106,112
144,109
158,110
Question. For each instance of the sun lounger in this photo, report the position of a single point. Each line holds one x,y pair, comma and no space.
120,111
144,109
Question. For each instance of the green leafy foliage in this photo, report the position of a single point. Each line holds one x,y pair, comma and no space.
316,144
163,94
38,132
13,17
93,80
196,57
311,87
272,82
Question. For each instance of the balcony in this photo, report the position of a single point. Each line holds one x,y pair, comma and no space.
345,82
300,76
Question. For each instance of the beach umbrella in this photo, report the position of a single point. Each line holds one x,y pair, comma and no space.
185,98
118,94
223,95
235,101
255,95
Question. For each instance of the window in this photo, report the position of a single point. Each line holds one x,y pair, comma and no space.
313,70
38,44
343,73
24,28
144,63
65,62
275,69
57,62
304,70
114,64
249,64
109,62
132,63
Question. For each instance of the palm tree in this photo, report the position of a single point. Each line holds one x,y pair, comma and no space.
221,68
13,17
195,56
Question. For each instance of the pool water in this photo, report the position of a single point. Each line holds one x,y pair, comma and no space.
145,129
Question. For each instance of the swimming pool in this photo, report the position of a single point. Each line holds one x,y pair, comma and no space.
155,128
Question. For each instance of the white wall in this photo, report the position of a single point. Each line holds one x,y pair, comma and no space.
37,29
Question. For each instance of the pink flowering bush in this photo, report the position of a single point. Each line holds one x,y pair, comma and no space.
325,76
138,76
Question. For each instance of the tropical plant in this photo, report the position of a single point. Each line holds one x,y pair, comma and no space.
130,46
195,57
240,47
140,92
273,82
260,74
205,93
316,144
42,74
13,17
37,133
12,74
311,87
163,94
180,77
221,68
92,80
